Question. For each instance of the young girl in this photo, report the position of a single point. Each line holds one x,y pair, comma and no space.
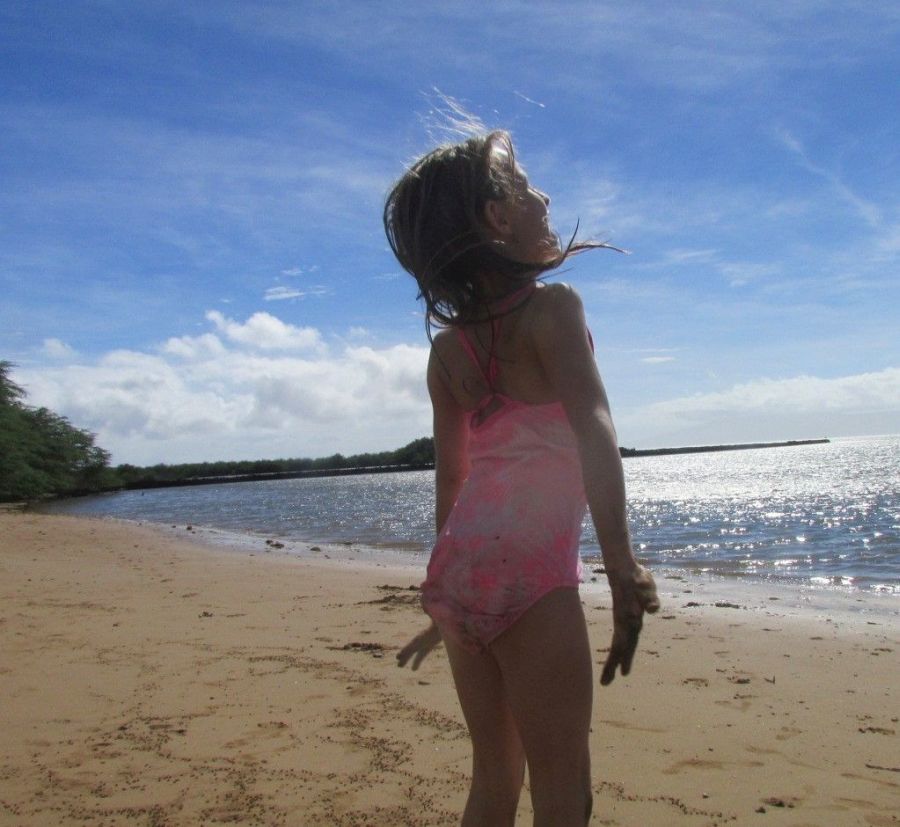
523,440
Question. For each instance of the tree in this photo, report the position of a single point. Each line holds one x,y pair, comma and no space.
41,452
418,452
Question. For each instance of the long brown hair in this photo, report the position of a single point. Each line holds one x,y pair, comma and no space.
433,218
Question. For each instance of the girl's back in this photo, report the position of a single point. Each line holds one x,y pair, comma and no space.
514,341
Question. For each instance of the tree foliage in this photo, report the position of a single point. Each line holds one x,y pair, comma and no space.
417,454
42,453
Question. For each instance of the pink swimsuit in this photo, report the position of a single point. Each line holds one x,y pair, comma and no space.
512,535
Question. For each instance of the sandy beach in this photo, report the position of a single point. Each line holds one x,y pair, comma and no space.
147,678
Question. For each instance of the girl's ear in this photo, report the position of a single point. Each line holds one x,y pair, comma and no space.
497,218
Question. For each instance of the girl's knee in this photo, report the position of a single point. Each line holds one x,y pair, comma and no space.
562,794
501,774
493,799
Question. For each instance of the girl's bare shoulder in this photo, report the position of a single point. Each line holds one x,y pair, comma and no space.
442,345
557,303
442,339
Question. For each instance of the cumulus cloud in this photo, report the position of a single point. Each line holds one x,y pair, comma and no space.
801,394
195,347
266,332
127,394
251,389
265,388
57,349
767,409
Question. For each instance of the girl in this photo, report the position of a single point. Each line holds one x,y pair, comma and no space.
523,440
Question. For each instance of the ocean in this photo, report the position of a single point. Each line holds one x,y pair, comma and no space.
819,515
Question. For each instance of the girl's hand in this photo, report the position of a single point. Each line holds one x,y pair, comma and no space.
632,594
419,647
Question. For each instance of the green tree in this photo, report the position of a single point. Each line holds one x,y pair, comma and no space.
41,452
418,452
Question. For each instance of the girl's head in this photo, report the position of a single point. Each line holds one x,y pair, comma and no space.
465,223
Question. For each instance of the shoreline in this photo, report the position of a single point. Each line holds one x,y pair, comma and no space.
758,527
150,678
756,594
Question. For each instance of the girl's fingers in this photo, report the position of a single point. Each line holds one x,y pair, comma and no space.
419,647
627,629
403,656
609,672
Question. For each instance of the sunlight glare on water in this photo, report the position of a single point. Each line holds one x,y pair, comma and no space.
826,513
818,514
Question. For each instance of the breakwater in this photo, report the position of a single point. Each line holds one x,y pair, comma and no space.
265,476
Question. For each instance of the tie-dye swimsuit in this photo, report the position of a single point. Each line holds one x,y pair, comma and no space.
512,535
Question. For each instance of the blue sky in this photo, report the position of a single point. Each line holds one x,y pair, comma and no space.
191,253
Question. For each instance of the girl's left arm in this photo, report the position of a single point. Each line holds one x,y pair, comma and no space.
565,353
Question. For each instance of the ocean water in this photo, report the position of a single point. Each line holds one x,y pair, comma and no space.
821,515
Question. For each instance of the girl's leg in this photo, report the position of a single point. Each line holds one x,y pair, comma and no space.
498,761
545,663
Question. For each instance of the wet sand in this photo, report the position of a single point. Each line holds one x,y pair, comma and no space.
146,678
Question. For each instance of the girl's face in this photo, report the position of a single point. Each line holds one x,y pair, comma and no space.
530,217
524,227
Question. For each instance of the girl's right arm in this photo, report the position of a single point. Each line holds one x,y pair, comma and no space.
567,358
451,467
451,435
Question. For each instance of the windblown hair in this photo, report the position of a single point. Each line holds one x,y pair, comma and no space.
433,218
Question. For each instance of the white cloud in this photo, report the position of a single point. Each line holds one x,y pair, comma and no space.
282,293
224,395
57,349
801,394
713,46
202,397
868,211
888,245
293,271
529,100
195,347
771,409
788,208
684,256
266,332
741,273
128,396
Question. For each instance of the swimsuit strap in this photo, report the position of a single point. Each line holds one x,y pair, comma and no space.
497,309
467,347
490,373
510,300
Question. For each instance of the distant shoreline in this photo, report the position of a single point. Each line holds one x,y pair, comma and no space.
703,449
626,453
